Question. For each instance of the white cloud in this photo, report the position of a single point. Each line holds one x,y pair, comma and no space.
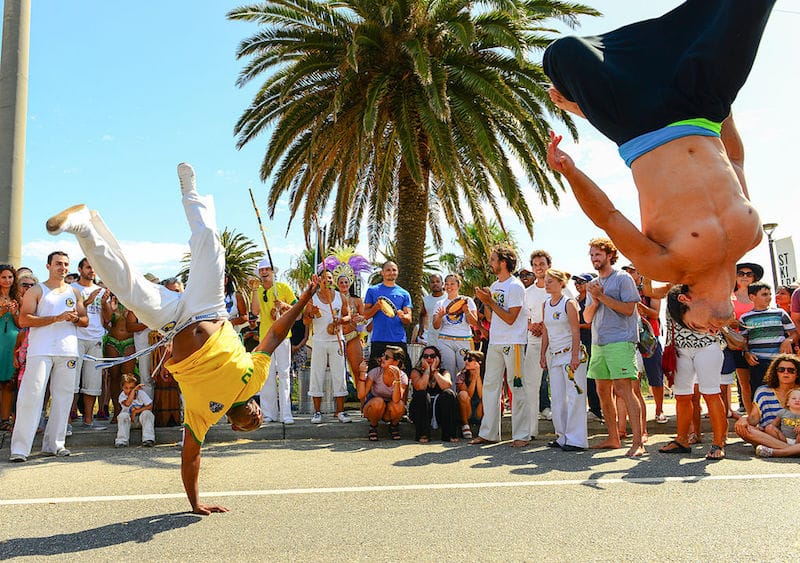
106,138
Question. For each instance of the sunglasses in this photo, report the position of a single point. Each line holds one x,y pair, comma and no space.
526,275
783,369
388,357
28,285
428,356
470,359
743,273
581,282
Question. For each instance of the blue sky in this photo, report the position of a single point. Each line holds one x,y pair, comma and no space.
119,93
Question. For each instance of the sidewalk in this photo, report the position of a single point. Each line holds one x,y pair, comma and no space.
302,429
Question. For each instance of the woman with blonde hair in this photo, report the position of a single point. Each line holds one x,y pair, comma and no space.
566,363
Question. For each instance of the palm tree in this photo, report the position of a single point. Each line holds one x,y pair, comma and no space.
302,269
473,265
241,258
407,113
389,253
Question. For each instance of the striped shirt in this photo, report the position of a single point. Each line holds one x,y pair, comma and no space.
768,405
765,330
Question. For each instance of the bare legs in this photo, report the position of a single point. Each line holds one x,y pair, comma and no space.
622,388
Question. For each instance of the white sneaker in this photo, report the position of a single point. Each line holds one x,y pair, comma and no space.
344,417
763,451
69,430
186,177
61,452
120,444
75,220
317,418
288,421
18,458
546,414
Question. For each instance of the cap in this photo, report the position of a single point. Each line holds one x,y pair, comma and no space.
265,263
583,277
629,267
757,270
524,269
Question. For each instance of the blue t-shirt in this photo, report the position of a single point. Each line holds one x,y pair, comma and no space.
385,329
608,326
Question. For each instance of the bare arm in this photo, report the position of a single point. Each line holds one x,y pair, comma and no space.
598,296
595,203
190,473
283,324
132,323
729,135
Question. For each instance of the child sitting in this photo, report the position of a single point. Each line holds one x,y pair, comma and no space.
133,401
786,425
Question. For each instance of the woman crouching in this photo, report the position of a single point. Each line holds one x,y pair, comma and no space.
433,404
381,392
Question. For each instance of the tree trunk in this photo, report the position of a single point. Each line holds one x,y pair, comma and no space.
410,234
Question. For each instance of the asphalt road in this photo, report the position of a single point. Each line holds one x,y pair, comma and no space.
314,500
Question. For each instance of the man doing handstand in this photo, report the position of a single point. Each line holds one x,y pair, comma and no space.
215,373
662,89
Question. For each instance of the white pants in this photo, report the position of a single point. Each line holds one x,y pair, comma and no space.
146,420
704,364
567,405
89,379
141,340
327,353
155,305
533,370
452,352
504,358
60,371
270,396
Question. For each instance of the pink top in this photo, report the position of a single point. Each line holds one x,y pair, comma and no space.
379,388
740,308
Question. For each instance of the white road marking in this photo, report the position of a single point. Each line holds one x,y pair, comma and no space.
421,487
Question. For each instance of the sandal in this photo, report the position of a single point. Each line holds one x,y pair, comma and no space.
422,439
373,434
394,430
715,453
466,432
5,425
675,447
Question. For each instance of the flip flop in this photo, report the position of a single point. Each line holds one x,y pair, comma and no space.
675,447
714,449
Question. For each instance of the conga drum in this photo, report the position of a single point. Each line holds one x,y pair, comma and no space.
166,393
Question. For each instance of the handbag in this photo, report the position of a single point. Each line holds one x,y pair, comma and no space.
647,340
734,340
669,359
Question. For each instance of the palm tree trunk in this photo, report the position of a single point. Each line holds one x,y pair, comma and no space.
410,233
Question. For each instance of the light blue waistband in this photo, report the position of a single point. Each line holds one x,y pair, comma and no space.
636,147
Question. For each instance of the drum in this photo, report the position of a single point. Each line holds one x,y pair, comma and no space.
166,392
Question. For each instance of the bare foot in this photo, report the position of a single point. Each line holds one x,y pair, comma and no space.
609,444
479,440
645,437
695,439
560,101
637,450
520,443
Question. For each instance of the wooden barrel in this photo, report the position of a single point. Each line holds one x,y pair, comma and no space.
166,393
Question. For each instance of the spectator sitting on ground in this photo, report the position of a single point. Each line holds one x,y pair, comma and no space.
381,391
469,386
781,378
433,404
134,401
786,425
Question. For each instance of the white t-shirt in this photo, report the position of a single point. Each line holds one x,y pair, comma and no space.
534,300
431,304
320,324
57,339
454,325
95,330
140,399
509,294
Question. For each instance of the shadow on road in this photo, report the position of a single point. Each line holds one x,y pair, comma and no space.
140,530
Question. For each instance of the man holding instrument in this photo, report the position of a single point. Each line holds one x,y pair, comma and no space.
216,375
270,300
389,307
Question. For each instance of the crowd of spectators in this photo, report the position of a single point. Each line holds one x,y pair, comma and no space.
540,343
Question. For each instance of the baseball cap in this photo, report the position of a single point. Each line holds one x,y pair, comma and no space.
583,277
265,263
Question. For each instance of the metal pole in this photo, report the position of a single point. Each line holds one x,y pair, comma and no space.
771,245
13,115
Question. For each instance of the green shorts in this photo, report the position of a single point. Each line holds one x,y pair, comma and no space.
613,361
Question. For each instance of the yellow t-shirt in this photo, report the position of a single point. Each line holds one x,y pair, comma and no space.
285,294
218,376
